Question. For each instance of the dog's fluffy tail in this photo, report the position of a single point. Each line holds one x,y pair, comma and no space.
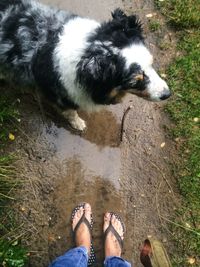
4,4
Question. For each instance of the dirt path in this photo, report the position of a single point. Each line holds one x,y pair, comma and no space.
62,169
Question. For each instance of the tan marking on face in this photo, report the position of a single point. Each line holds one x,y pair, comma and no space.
116,96
139,77
113,93
119,96
144,93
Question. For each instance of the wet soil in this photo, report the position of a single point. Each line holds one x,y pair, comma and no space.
61,168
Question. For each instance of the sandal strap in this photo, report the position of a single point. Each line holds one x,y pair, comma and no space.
83,219
115,233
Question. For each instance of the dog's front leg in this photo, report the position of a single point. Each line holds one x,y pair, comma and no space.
74,120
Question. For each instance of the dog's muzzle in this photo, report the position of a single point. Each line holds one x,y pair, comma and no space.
166,95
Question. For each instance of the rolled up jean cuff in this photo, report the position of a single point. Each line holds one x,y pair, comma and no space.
74,257
115,262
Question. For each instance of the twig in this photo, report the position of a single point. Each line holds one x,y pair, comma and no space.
122,124
181,226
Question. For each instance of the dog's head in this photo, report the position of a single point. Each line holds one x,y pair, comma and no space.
117,62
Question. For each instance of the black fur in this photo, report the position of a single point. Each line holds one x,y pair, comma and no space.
100,71
29,34
4,4
42,34
121,31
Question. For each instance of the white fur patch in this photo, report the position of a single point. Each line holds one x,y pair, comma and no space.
138,53
74,120
72,43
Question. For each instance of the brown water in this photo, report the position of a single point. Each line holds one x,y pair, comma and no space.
61,168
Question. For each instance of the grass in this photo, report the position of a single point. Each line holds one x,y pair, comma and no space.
154,25
184,109
11,252
7,112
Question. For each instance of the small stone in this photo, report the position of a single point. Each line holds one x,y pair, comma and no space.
196,119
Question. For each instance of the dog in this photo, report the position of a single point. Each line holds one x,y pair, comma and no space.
77,62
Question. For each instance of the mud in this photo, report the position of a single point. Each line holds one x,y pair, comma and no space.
61,168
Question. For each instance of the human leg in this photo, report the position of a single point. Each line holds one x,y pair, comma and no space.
76,257
113,229
81,226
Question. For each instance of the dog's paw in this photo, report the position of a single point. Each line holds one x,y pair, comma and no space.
78,124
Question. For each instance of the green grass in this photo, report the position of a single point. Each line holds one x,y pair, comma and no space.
154,25
184,109
7,112
11,252
183,14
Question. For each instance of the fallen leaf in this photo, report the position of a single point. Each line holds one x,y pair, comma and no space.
162,145
191,260
22,209
51,238
149,15
188,225
11,136
163,75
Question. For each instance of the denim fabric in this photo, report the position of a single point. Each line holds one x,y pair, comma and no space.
76,257
116,262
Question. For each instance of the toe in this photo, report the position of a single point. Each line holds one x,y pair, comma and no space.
78,214
113,219
107,218
88,211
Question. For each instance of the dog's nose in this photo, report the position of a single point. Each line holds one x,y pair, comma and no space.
165,95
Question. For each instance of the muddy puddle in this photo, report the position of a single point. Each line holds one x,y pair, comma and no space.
61,168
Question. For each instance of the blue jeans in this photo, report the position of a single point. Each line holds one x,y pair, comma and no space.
78,257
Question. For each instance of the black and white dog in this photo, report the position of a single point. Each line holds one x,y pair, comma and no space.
75,61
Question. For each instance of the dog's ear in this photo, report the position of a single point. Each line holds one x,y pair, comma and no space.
130,24
118,14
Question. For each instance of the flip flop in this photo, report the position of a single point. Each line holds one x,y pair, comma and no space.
153,254
83,219
114,232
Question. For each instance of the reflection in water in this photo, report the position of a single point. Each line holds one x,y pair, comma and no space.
104,162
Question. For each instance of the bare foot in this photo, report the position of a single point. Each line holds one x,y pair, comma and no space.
112,246
82,237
